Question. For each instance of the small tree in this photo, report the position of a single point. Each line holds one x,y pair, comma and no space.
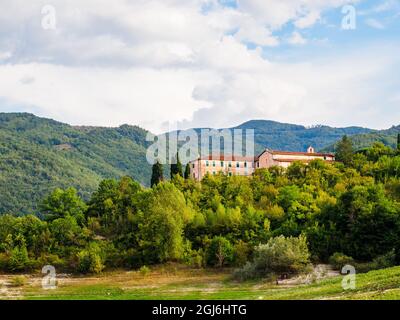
187,171
220,252
157,174
90,260
19,259
344,151
398,142
63,203
176,168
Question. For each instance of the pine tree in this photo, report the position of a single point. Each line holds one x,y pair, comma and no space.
176,168
344,151
398,142
187,171
157,174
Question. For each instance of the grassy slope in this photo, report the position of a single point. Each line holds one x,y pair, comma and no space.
209,284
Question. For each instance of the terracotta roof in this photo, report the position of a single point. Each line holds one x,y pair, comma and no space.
292,160
226,158
315,154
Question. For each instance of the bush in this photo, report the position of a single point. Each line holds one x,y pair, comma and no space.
50,259
219,252
381,262
248,271
4,261
280,255
18,281
338,260
241,253
144,271
386,260
90,260
193,258
19,259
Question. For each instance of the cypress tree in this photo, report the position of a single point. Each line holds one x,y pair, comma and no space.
157,174
176,168
398,142
344,151
187,171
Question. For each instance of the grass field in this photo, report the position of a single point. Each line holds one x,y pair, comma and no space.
175,282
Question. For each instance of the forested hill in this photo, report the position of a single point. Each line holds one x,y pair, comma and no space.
361,141
38,155
291,137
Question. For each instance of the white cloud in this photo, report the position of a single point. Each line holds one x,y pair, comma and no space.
149,62
374,23
297,38
383,6
5,55
276,13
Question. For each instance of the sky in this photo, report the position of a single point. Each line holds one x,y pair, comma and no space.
167,64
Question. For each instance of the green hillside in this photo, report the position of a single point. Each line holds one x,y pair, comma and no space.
361,141
290,137
38,155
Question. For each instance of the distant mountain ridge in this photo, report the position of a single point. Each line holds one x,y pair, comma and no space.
291,137
361,141
38,154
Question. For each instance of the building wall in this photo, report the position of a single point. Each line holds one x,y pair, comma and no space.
199,168
269,159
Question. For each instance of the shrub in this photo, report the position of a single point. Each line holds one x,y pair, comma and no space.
381,262
338,260
279,255
50,259
248,271
219,252
193,258
90,259
144,271
4,261
386,260
19,259
18,281
241,253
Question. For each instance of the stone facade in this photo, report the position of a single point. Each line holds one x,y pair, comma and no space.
284,159
245,166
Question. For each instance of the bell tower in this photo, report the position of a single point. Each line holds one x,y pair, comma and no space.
310,149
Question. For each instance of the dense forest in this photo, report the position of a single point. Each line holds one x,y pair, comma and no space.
38,155
346,211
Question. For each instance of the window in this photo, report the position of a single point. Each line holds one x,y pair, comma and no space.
213,163
222,164
230,164
230,174
207,164
237,165
193,165
214,173
245,164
